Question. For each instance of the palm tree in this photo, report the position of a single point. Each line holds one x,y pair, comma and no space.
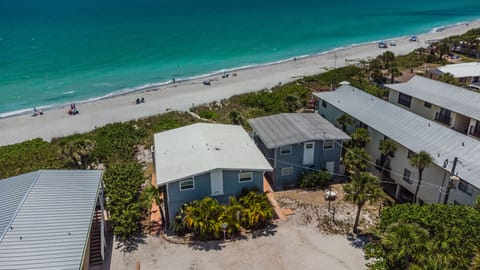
291,102
476,261
356,160
387,148
235,117
394,72
360,137
203,218
405,243
388,57
377,76
78,152
344,121
448,78
362,189
420,161
444,49
155,193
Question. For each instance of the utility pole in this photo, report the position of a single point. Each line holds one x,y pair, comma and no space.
451,182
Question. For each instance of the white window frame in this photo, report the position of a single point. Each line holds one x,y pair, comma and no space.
244,173
185,180
330,147
289,168
289,152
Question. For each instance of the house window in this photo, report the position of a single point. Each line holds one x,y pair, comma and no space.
410,154
324,104
465,187
427,105
287,171
245,177
407,176
327,145
405,100
187,184
286,150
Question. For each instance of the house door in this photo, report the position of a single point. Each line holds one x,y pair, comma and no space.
216,182
330,166
308,153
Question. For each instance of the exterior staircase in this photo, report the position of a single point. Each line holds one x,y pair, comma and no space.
96,261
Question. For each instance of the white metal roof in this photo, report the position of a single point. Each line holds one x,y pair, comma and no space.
462,70
410,130
45,218
289,128
451,97
199,148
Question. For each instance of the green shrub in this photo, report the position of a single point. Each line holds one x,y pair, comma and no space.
208,114
124,202
257,212
314,179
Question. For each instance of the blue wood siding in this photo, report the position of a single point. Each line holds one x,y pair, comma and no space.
231,187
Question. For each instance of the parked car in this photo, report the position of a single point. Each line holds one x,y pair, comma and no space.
382,44
393,43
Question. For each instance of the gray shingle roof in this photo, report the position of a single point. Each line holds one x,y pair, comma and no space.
199,148
410,130
47,220
451,97
290,128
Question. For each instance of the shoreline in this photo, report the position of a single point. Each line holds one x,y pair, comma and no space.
158,85
185,93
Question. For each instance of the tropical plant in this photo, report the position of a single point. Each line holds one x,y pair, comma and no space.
153,193
356,160
387,148
404,244
344,121
231,216
388,57
475,265
448,78
452,241
235,117
291,102
420,161
360,137
257,211
78,153
203,218
314,179
394,72
123,191
360,190
477,203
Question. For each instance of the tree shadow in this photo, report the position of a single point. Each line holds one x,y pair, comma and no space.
268,231
359,241
207,246
130,244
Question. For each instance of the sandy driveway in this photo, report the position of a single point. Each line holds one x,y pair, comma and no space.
292,246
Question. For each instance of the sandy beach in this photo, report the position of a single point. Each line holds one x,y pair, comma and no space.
181,96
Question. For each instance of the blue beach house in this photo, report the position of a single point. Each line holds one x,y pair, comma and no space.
295,143
202,160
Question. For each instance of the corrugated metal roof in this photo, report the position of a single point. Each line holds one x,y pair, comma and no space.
49,228
410,130
199,148
290,128
462,70
453,98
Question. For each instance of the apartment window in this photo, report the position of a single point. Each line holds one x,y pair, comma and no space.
286,150
405,100
245,177
410,154
327,145
465,187
287,171
187,184
407,176
427,105
324,104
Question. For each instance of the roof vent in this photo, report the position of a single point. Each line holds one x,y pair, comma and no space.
463,143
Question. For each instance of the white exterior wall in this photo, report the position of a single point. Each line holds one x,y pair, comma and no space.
435,178
417,106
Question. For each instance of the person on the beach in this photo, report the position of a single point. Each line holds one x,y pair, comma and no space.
137,101
142,100
173,79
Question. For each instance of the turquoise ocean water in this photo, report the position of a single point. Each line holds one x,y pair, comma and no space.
60,51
